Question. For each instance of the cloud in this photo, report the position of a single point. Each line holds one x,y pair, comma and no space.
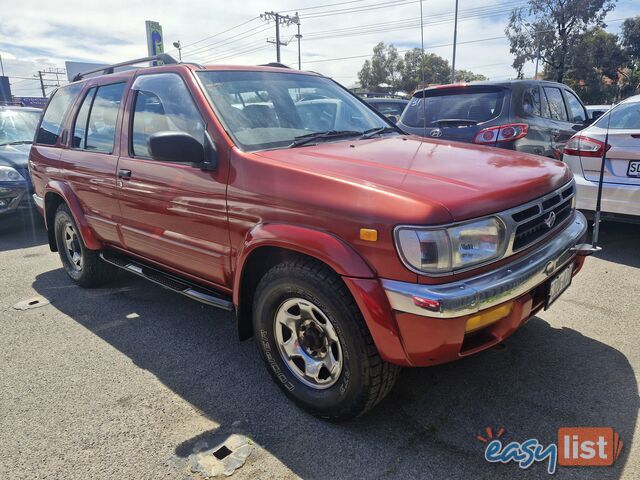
37,34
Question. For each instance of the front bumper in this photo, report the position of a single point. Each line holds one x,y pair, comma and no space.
13,196
490,289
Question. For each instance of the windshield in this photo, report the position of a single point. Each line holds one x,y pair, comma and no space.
262,110
625,116
454,106
18,126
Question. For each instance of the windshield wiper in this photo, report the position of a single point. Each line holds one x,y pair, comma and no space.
377,131
456,121
314,136
19,142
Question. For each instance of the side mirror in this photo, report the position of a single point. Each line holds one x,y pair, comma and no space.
178,147
393,118
596,115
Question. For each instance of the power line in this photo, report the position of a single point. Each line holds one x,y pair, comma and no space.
217,34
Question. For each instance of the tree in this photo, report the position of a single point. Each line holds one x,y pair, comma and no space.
548,29
631,44
597,60
436,70
468,76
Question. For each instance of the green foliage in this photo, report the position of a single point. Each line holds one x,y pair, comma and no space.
549,29
387,67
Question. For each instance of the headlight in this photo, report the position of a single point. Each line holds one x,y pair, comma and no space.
442,250
8,174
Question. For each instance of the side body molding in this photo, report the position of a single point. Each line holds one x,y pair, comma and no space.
56,187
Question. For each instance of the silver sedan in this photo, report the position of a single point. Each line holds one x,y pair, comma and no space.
583,154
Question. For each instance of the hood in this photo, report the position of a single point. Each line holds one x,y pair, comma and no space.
15,156
468,180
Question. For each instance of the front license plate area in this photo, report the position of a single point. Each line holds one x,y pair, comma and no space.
633,170
558,284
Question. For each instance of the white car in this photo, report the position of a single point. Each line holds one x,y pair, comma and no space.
583,154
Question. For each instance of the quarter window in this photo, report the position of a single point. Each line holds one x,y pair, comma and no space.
51,125
80,127
556,103
103,116
531,101
578,114
163,104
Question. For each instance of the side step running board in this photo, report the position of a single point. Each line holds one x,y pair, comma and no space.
166,280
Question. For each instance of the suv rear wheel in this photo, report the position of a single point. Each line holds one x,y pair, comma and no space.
85,267
315,342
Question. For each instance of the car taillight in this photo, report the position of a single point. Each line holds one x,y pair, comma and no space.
584,146
501,133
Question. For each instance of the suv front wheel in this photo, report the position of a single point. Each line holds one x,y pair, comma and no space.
315,342
84,266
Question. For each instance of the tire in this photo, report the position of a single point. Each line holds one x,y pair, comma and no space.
305,295
84,266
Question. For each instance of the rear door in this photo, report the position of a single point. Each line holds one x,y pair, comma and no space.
562,129
172,213
623,158
92,157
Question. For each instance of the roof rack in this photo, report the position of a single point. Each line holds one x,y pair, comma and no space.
165,58
275,64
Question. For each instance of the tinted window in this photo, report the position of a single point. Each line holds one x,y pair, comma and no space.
575,107
163,104
101,128
80,127
59,104
625,116
389,108
556,103
531,101
454,107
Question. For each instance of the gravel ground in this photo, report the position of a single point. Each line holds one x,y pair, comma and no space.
128,381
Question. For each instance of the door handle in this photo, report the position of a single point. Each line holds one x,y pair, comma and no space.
126,174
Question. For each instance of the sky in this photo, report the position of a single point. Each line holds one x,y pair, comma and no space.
337,36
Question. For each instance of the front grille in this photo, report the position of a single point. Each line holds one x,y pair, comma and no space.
536,219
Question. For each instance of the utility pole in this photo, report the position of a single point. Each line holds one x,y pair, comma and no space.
42,74
2,64
299,37
280,20
535,76
455,39
178,45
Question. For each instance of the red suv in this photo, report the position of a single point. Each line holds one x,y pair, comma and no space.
346,247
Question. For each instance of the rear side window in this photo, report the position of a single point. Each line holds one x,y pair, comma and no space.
556,103
531,101
576,110
80,127
51,125
454,107
163,103
103,115
624,117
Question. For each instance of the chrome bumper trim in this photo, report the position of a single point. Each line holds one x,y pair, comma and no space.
471,295
39,201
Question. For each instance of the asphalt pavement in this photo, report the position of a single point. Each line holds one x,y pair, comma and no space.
130,380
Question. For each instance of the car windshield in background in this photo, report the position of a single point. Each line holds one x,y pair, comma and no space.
18,126
454,107
625,116
263,110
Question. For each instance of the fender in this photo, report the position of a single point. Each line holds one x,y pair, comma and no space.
327,248
70,198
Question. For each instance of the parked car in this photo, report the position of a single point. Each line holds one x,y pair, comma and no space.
596,111
530,116
17,129
391,108
347,252
583,153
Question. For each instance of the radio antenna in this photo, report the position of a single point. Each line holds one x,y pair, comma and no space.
596,217
424,100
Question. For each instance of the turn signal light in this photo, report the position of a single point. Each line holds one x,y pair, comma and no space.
488,317
501,133
585,147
